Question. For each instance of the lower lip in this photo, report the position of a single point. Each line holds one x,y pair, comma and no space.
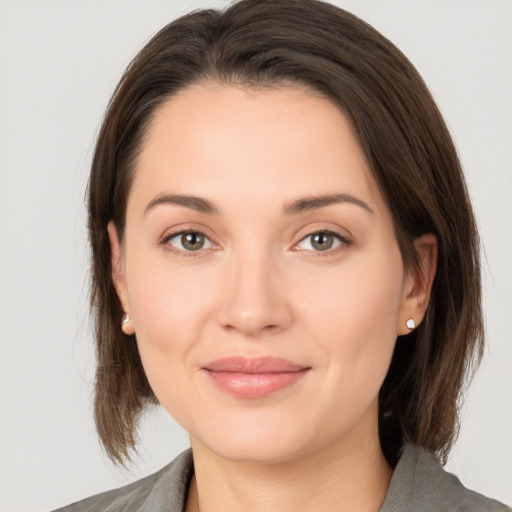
255,385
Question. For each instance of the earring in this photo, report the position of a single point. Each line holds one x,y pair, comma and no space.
127,325
411,324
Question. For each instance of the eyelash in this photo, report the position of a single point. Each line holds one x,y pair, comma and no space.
178,252
345,243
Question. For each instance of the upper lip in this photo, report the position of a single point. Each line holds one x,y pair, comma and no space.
241,364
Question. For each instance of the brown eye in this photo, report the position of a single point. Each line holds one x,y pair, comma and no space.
189,241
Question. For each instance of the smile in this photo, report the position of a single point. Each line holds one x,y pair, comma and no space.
254,378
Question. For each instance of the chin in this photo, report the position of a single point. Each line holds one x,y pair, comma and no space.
255,452
256,442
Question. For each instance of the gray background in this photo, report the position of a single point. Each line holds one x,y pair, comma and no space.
59,61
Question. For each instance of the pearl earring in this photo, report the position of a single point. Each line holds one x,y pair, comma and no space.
127,325
411,324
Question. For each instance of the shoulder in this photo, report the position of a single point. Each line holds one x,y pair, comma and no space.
421,484
164,490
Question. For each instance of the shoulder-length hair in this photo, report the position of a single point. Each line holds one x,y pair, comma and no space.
259,43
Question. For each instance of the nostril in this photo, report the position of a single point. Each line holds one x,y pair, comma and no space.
251,302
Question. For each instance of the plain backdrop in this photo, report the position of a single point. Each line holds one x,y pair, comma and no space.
59,62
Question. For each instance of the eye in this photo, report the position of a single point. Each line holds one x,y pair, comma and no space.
322,241
188,241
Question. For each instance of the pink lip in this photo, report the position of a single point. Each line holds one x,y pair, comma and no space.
254,377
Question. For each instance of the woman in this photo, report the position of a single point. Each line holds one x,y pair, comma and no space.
278,262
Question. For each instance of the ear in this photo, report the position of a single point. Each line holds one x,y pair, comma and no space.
118,276
418,284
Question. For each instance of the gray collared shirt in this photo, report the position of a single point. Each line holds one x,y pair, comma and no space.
419,484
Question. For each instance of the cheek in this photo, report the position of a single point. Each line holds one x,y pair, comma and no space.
170,311
352,315
165,298
364,294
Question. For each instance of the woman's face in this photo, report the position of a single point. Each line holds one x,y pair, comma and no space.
262,273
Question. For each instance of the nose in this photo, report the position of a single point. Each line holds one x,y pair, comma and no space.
254,299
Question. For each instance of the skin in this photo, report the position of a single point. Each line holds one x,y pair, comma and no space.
260,287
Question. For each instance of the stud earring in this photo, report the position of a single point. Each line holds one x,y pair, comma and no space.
127,324
411,324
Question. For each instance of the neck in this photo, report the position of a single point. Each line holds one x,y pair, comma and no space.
341,477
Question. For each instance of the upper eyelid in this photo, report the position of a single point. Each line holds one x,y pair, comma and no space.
342,234
331,231
171,233
183,231
186,231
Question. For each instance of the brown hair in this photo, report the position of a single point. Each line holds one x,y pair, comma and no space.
410,152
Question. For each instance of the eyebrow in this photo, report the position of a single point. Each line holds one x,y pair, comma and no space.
312,203
194,203
302,205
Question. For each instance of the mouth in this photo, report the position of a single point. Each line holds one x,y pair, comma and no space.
259,377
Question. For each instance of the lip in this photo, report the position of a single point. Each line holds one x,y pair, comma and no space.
258,377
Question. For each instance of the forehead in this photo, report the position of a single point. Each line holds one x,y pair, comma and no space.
267,143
